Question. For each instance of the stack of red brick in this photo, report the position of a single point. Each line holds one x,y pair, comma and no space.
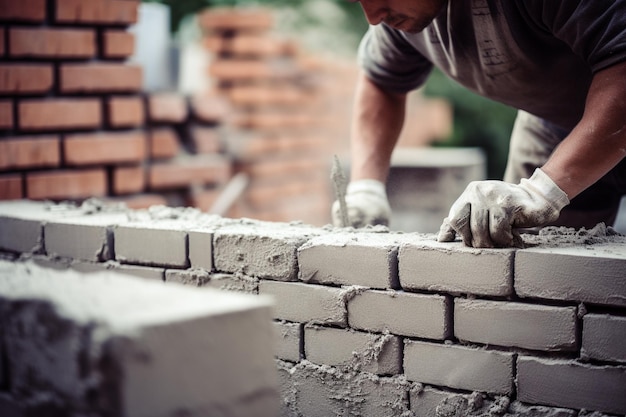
74,122
278,103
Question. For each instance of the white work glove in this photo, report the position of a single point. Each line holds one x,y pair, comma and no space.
488,212
367,204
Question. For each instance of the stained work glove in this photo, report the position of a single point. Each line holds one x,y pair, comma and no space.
367,204
488,212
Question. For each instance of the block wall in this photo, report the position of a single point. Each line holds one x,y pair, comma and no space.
375,323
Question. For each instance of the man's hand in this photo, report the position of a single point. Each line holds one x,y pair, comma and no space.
487,212
367,204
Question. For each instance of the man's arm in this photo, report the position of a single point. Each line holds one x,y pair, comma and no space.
376,124
598,142
487,212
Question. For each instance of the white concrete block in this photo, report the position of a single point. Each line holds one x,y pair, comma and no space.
401,313
87,237
604,337
458,367
306,303
571,384
351,350
21,225
366,259
262,250
455,268
160,243
234,282
161,346
590,273
528,326
201,248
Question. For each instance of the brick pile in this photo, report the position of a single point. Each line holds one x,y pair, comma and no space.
74,122
378,323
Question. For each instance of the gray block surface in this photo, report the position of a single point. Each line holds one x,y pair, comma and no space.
452,267
306,303
604,337
572,385
528,326
564,273
458,367
400,313
366,259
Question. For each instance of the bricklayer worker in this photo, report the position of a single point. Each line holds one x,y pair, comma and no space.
562,64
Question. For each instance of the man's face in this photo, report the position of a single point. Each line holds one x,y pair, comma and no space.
406,15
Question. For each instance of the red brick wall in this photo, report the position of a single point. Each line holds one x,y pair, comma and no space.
74,122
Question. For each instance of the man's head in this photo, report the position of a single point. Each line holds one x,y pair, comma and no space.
407,15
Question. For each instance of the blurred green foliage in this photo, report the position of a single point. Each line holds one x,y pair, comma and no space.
478,122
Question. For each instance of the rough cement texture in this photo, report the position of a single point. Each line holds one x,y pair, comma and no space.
322,391
359,351
262,250
315,304
115,345
234,282
452,267
193,277
571,384
431,402
527,326
458,367
604,337
367,259
400,313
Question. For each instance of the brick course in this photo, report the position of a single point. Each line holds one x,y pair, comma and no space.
66,184
29,152
26,10
52,43
59,114
25,78
100,77
104,148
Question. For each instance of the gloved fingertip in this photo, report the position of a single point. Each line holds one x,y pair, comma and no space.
446,233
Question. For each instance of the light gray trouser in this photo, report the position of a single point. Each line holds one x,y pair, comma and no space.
532,141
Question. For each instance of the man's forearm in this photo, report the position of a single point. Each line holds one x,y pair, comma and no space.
598,143
376,124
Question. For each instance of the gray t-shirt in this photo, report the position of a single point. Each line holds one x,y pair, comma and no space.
534,55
